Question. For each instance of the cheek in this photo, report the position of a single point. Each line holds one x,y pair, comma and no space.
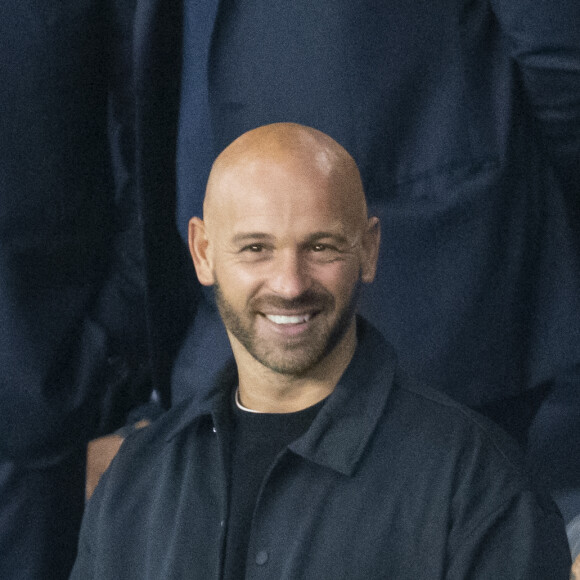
237,281
338,278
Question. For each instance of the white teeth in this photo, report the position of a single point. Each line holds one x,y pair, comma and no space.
279,319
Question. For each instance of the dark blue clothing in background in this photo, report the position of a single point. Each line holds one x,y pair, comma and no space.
71,280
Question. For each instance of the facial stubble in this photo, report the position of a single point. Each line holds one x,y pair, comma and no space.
290,357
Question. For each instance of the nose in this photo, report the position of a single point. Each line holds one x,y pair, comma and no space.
289,276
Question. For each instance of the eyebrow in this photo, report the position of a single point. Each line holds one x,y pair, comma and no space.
339,238
250,236
316,236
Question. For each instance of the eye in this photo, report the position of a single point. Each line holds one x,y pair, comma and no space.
320,247
253,248
324,253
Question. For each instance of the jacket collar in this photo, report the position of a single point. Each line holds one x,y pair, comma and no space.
341,431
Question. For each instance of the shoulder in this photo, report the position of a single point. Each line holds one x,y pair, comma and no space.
154,455
145,455
486,468
181,421
473,456
471,465
441,416
420,419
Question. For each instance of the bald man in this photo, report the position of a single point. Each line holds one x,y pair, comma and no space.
316,458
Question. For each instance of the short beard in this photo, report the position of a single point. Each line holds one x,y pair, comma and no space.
290,362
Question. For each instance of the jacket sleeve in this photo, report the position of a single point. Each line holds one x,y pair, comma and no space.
520,539
544,37
71,275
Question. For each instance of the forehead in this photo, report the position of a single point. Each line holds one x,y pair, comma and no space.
289,196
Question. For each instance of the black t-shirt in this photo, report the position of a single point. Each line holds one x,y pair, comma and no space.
256,439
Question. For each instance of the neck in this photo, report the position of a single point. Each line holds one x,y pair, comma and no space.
266,391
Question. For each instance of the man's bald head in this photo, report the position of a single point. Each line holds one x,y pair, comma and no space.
287,244
312,151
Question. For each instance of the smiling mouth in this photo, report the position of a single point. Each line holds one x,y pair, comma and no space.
289,319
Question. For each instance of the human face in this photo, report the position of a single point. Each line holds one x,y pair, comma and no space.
287,252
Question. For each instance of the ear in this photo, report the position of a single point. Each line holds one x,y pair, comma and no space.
370,247
198,247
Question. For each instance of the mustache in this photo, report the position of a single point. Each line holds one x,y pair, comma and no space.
310,300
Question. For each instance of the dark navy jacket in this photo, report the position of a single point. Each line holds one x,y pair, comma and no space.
465,121
390,481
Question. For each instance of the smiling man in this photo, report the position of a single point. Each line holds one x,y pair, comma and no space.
286,243
315,457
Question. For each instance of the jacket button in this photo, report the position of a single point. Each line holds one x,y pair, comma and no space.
261,557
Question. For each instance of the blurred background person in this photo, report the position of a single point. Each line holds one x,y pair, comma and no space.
72,356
